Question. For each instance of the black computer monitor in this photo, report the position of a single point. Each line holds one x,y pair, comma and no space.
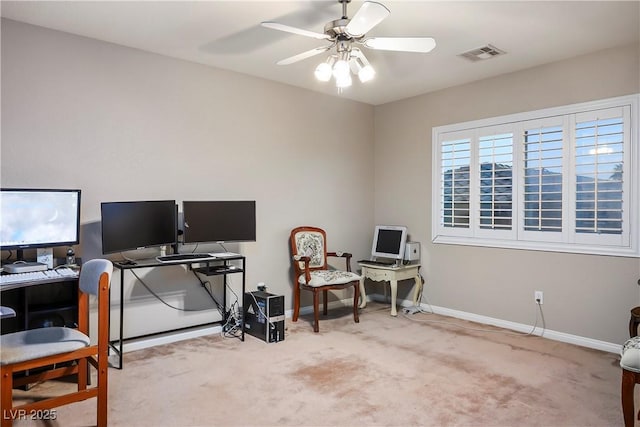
219,221
39,218
138,225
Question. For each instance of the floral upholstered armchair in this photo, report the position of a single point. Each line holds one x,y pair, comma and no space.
311,271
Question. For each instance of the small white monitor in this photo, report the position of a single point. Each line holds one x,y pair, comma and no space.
389,241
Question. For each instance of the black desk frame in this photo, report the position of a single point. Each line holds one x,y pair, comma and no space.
25,310
213,267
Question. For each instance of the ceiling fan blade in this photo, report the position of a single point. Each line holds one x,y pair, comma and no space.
368,16
294,30
304,55
402,44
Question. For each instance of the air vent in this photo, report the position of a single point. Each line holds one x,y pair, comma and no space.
482,53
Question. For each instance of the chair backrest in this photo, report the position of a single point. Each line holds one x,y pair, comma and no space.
91,272
311,242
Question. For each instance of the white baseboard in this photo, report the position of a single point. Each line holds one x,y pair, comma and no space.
169,337
520,327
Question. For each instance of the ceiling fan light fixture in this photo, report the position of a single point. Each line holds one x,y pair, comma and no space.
341,69
367,73
361,67
324,70
344,81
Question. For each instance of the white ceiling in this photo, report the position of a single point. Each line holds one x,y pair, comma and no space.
227,34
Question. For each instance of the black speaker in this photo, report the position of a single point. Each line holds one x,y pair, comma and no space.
264,315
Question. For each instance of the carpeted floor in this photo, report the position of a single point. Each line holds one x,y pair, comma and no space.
383,371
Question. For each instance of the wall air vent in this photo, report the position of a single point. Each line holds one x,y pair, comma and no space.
482,53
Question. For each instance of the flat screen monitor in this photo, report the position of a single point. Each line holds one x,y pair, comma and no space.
389,241
39,218
138,225
219,221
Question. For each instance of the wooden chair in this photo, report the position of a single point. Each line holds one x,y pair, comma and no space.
630,364
311,271
25,351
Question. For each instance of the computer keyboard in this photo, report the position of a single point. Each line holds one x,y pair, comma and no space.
62,271
36,276
368,261
185,257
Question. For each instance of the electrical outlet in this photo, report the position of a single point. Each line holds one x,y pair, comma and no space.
538,297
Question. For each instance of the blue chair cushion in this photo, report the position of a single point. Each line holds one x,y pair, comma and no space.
630,359
41,342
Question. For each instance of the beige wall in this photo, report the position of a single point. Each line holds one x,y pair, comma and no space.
584,295
122,124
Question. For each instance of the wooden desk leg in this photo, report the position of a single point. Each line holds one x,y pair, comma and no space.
363,294
418,289
394,294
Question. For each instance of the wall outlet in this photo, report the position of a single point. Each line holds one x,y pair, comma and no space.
538,297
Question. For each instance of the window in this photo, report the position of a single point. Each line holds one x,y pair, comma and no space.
559,179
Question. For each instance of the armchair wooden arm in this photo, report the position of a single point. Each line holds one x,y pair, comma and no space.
346,255
306,260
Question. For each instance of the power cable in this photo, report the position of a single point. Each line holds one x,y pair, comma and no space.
420,310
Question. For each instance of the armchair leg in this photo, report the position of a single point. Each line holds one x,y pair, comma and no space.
316,309
628,383
356,297
324,301
296,302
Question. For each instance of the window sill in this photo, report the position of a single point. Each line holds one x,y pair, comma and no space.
538,246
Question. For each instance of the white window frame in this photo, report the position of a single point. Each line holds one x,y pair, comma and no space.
627,244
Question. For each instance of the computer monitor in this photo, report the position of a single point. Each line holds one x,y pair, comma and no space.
39,218
138,225
389,241
219,221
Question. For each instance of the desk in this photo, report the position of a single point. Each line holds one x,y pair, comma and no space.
214,267
391,274
38,303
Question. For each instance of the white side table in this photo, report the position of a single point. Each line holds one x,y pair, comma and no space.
391,274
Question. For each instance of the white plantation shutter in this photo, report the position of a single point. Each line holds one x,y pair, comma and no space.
495,170
455,161
562,179
543,182
599,175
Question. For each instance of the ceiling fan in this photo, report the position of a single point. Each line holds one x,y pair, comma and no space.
345,34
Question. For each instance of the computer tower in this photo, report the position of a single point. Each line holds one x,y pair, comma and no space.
412,251
264,315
